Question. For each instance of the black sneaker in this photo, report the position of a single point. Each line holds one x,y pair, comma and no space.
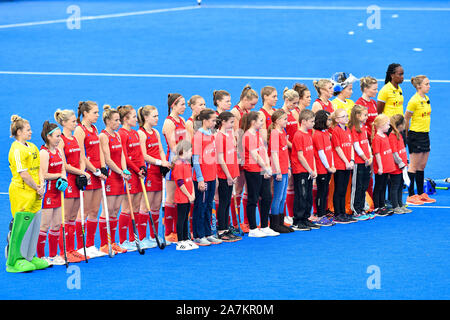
227,236
381,212
234,237
350,218
341,219
310,224
300,227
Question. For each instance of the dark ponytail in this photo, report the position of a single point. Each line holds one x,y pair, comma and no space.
390,70
171,99
223,117
47,127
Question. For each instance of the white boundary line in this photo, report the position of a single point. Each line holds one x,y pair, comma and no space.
104,16
432,207
262,7
155,75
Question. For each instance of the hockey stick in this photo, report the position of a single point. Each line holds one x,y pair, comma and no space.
82,223
152,223
108,229
163,202
63,228
136,237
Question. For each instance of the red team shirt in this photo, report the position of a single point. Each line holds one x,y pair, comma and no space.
180,132
278,143
291,127
225,143
326,106
252,142
182,171
52,196
268,117
204,146
341,138
361,137
92,150
398,145
381,145
114,182
131,147
72,153
153,181
371,113
322,141
302,142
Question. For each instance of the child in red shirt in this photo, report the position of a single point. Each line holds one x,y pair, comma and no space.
401,159
363,161
343,155
384,163
304,171
323,154
184,193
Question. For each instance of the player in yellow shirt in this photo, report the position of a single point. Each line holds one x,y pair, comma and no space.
25,194
418,113
343,90
390,97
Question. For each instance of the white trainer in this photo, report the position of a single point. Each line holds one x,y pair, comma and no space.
183,246
93,252
288,220
57,260
269,232
192,244
256,233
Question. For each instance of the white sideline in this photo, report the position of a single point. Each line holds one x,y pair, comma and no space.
104,16
273,7
156,75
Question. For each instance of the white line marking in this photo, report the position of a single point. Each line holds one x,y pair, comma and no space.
104,16
188,76
322,8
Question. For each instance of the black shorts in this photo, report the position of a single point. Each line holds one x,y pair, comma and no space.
418,142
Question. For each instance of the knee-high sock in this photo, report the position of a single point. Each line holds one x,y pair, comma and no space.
169,212
79,232
103,231
155,217
40,250
91,228
412,177
142,225
124,221
53,236
113,226
420,177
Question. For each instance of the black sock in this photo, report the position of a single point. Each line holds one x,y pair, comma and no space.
411,176
420,176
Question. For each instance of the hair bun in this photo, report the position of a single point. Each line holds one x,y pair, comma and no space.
15,118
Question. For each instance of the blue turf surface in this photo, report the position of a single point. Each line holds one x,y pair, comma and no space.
331,263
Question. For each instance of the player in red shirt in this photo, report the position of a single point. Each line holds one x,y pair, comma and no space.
227,173
304,171
384,163
184,192
397,144
111,146
131,147
197,104
290,107
88,140
75,167
257,172
323,154
247,102
174,130
155,158
269,98
205,174
52,170
369,88
363,161
343,155
324,88
279,159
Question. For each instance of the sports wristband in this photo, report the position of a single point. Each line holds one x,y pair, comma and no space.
158,162
97,173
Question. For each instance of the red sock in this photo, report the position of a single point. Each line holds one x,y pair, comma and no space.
53,236
79,231
155,217
91,228
142,226
60,238
113,226
244,202
70,238
103,231
175,219
124,221
40,250
290,202
168,217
